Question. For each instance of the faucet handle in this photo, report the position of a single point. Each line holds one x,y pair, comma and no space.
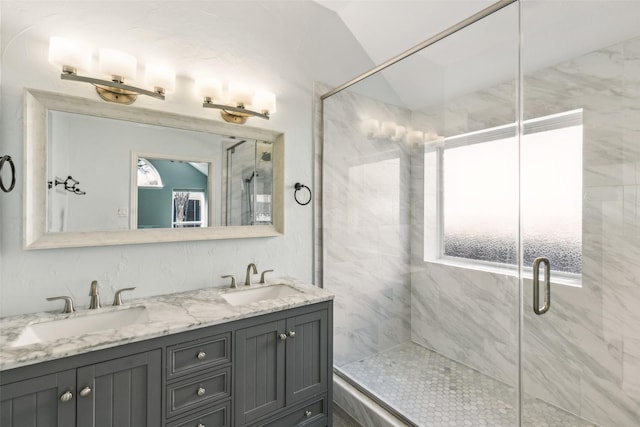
68,303
234,284
117,298
262,275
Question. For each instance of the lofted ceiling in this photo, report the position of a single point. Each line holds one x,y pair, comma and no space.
483,54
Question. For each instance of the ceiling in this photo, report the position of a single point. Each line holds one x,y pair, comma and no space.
483,54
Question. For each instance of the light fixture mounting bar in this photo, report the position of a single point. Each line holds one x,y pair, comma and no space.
239,110
111,84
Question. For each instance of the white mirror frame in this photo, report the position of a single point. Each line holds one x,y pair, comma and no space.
35,236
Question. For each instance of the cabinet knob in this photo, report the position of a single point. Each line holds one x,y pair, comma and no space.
291,334
85,392
66,396
201,391
307,414
283,337
202,355
200,425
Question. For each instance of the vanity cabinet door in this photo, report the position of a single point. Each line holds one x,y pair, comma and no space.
259,371
46,401
306,354
124,392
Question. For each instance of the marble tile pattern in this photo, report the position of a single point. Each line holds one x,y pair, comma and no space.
365,227
168,314
584,354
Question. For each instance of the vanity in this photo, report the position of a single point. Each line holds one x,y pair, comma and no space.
251,356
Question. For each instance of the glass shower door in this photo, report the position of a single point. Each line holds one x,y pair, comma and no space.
580,210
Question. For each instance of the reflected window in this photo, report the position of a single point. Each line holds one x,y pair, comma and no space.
188,209
148,176
478,214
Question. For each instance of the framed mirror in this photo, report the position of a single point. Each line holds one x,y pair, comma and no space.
101,174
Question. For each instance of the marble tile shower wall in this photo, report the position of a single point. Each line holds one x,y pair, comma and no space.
365,220
584,354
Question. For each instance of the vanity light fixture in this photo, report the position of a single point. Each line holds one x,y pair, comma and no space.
242,101
384,130
120,66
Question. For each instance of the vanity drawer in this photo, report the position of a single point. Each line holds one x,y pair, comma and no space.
195,392
216,417
197,355
310,414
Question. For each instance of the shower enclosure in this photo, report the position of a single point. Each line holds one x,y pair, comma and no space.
480,222
248,183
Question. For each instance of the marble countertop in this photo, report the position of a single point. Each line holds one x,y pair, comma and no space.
168,314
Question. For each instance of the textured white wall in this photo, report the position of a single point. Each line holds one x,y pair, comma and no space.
282,45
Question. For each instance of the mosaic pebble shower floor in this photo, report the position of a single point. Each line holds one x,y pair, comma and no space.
434,391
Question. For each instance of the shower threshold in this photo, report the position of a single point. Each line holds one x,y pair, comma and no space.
427,389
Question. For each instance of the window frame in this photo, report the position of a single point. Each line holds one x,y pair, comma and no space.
203,209
535,125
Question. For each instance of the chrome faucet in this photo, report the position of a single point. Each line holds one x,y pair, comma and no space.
247,280
95,296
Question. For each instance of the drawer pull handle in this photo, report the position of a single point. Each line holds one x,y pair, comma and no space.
66,396
283,337
202,355
291,334
85,392
307,414
201,391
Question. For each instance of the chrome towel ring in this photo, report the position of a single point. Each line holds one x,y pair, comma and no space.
3,160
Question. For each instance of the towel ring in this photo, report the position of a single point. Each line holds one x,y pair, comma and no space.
3,160
299,187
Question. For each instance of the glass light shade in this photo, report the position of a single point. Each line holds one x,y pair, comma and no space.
240,94
160,76
370,127
116,63
67,53
209,88
400,132
264,102
415,137
387,129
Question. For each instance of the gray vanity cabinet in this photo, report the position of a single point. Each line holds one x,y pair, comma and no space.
282,370
123,392
260,375
270,370
36,402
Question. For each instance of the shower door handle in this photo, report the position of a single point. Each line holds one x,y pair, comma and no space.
536,285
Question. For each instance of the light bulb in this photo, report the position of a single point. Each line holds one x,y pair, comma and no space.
161,78
240,94
209,89
264,102
115,63
69,55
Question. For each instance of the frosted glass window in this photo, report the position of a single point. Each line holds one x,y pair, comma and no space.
552,198
479,205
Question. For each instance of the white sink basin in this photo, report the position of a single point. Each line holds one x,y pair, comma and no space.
247,296
80,325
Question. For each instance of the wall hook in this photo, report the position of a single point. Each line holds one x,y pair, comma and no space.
299,187
3,160
70,184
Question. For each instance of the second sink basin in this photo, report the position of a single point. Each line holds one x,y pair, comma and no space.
80,325
247,296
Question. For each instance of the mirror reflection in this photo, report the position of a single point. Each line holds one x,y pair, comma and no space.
107,174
